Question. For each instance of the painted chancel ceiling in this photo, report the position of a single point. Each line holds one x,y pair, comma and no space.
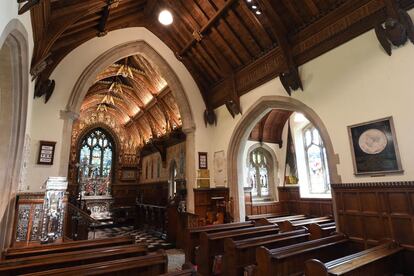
131,94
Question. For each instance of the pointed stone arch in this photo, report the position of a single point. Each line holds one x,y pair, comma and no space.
14,90
242,130
88,77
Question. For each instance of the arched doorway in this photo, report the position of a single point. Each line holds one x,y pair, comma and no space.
243,129
13,111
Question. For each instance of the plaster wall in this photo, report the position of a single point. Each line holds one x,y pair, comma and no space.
354,83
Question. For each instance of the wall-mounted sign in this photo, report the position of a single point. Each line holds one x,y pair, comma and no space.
202,160
46,153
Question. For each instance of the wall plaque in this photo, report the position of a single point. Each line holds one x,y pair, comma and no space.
202,160
374,147
46,153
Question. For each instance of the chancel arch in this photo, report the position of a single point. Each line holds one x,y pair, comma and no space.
244,128
14,94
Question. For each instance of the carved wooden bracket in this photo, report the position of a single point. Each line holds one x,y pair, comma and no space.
233,104
210,117
291,80
27,6
44,87
397,29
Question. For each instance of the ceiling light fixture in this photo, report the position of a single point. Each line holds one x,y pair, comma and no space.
165,17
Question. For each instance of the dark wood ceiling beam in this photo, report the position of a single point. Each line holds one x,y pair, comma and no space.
78,7
222,33
290,79
207,26
242,10
313,9
208,43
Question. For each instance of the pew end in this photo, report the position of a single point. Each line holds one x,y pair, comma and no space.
315,267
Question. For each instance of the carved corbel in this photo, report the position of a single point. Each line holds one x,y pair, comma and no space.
27,6
291,80
162,149
233,104
44,87
397,29
210,117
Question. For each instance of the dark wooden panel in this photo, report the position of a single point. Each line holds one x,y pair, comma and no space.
371,212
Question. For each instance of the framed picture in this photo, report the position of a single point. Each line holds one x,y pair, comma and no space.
202,160
374,147
46,153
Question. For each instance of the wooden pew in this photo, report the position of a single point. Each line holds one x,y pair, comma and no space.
290,260
242,253
321,230
212,244
379,260
192,235
291,225
23,252
268,221
67,259
149,265
266,216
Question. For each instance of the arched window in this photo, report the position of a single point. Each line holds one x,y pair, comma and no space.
316,161
97,148
173,179
259,170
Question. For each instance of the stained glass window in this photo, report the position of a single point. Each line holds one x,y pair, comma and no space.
97,149
258,172
316,160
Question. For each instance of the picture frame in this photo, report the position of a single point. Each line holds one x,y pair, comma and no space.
374,148
46,153
202,161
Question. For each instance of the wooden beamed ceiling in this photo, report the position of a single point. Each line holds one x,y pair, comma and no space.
227,47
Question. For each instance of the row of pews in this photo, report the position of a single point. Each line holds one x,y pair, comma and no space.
288,245
110,256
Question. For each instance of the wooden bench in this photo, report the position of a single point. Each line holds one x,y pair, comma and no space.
266,216
149,265
321,230
12,253
291,225
268,221
379,260
67,259
212,244
290,260
192,236
242,253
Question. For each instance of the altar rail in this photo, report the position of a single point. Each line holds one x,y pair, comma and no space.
78,224
151,217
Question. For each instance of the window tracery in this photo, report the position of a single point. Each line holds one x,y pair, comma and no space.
97,148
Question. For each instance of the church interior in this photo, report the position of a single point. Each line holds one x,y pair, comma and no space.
206,137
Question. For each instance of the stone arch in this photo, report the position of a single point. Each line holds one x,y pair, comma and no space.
274,163
14,90
242,130
114,54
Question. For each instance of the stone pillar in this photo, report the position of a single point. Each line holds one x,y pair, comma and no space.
68,117
190,166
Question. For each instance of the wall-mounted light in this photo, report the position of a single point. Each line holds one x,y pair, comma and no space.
165,17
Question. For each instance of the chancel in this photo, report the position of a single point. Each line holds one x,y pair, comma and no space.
206,137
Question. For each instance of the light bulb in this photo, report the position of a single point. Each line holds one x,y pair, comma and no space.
165,17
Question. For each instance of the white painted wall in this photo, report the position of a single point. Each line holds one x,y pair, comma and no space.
46,124
353,83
